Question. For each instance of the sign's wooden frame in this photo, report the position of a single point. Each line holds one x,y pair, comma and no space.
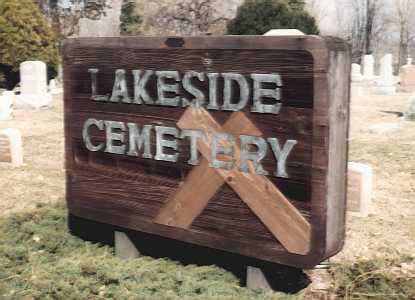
305,243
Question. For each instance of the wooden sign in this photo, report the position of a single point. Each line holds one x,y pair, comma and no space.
235,143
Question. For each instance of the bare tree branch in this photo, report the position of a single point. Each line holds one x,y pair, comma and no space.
190,16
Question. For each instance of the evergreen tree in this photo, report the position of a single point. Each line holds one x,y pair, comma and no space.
297,4
256,17
24,35
129,20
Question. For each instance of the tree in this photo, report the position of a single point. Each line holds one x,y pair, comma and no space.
64,15
318,10
406,33
190,17
259,16
366,22
24,35
129,20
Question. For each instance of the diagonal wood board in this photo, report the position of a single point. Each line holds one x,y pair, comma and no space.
283,220
186,204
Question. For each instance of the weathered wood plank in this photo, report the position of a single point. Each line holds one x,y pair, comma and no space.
201,184
262,197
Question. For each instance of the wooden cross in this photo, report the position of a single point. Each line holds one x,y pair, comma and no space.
275,211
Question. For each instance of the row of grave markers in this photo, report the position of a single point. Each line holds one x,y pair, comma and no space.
34,93
385,83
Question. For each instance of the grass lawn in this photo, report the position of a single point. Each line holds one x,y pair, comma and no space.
39,259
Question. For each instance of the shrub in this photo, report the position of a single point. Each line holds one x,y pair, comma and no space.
24,35
259,16
129,20
383,278
40,259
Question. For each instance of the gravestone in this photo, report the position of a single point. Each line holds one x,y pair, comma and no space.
384,127
410,113
6,105
386,83
54,87
359,189
282,32
33,85
356,73
358,85
368,67
407,75
11,151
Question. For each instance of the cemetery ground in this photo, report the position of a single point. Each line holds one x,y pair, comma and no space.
40,259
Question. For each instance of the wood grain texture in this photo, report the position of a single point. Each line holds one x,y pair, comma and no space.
202,183
273,209
130,191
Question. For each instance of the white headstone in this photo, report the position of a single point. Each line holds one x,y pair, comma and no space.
386,81
54,87
284,32
33,85
14,145
6,105
409,61
368,67
356,73
359,190
385,127
410,113
386,70
33,77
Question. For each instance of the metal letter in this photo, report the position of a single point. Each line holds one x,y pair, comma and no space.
85,134
162,143
199,97
120,90
260,92
163,88
228,92
217,139
281,155
213,91
94,86
256,157
137,140
194,136
140,92
114,137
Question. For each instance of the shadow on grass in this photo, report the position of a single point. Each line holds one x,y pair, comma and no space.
281,278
